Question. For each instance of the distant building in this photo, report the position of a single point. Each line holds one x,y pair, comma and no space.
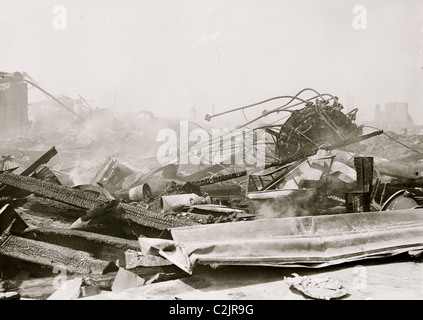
13,105
394,116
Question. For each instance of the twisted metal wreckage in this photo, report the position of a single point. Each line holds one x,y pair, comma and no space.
303,189
316,202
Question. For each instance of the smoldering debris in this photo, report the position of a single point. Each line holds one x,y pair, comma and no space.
94,190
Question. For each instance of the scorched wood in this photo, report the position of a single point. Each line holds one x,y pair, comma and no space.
51,255
87,201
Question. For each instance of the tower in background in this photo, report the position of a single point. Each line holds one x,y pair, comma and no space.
13,105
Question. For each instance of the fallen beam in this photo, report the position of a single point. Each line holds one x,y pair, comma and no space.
40,204
101,246
86,200
11,221
51,255
86,238
40,161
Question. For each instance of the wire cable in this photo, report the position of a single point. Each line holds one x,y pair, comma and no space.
399,142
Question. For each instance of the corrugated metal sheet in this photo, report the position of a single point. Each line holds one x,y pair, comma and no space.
313,241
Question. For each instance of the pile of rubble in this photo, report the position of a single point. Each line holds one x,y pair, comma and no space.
127,225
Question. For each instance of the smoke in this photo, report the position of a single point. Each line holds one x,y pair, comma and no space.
169,57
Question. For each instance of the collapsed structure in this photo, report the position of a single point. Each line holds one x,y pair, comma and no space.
325,195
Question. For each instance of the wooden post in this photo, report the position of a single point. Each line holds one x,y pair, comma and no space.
364,169
359,200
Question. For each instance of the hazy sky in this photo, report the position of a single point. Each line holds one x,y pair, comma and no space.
171,55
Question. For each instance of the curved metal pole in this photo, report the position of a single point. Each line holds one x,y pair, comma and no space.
209,117
284,108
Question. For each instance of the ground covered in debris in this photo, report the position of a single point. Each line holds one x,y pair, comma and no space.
89,204
395,279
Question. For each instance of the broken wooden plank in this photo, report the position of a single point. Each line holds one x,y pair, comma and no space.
101,246
71,235
45,205
51,255
8,217
40,161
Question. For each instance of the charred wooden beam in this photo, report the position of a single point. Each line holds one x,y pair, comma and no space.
41,204
40,161
51,255
153,219
87,201
11,221
89,237
100,246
